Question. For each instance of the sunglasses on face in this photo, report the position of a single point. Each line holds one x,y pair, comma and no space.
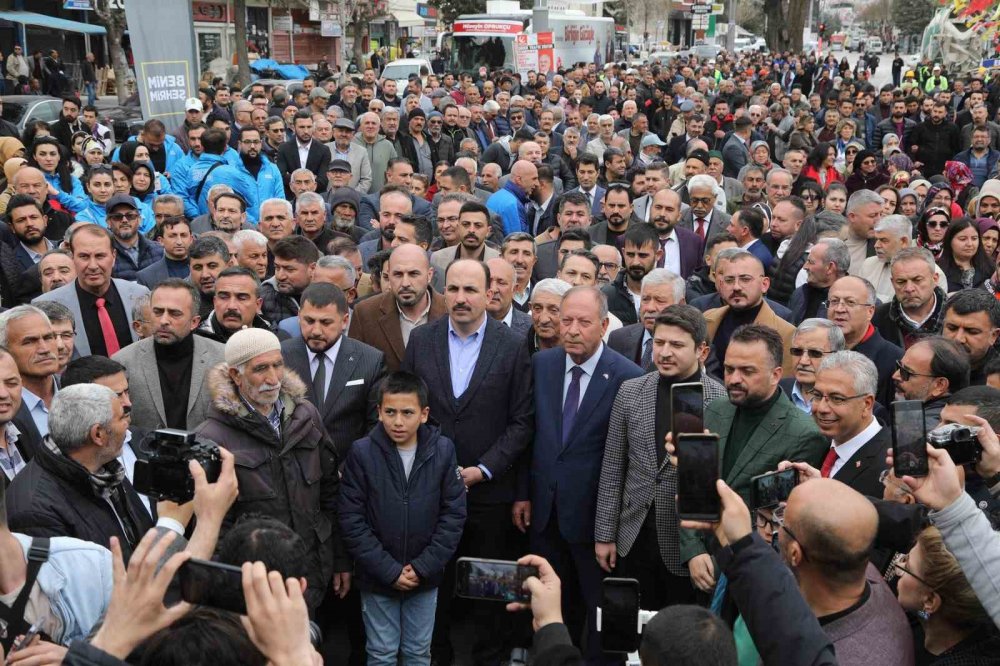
937,224
814,354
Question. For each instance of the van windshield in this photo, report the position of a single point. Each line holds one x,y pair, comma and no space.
471,53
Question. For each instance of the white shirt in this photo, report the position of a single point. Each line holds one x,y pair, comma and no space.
508,318
672,251
127,458
853,445
588,367
329,357
303,152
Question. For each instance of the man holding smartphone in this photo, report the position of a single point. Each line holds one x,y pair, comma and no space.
640,539
758,426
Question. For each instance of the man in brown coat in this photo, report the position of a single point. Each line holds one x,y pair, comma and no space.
742,285
385,322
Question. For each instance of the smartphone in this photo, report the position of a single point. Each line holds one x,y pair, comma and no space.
493,580
687,409
620,615
909,439
697,472
25,640
212,584
771,489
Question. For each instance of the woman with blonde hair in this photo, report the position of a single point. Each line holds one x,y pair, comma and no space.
931,584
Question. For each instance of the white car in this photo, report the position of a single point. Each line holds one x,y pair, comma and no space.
402,69
874,45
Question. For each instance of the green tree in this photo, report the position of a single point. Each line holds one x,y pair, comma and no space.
912,16
450,9
112,17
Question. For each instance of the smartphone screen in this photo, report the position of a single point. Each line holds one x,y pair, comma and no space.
620,615
909,441
494,580
771,489
697,472
212,584
687,406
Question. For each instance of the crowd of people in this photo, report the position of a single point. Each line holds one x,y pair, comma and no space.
444,321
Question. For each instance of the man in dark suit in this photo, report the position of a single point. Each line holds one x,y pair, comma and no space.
851,306
660,290
617,216
479,377
843,400
681,249
501,305
386,321
291,153
587,172
571,424
703,217
16,452
341,375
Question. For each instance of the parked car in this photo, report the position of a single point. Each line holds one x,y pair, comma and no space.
125,120
21,109
401,70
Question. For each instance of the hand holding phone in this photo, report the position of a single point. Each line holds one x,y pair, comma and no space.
208,583
697,472
544,592
909,439
735,521
493,580
771,489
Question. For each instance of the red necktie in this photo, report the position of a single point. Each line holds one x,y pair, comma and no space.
107,328
831,458
701,228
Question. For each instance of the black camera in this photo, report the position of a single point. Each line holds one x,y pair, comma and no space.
960,441
164,475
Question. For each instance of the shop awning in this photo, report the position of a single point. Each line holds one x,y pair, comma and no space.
408,19
31,18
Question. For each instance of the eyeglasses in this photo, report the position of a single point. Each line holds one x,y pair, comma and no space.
810,197
811,353
846,303
905,373
250,142
609,266
795,539
834,399
904,559
886,478
101,168
744,280
120,217
938,224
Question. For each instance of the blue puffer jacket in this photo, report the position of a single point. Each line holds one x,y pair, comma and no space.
388,521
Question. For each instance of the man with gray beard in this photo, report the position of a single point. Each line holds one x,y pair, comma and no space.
343,204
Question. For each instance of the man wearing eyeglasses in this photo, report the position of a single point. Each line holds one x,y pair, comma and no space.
813,341
133,251
851,306
843,404
930,371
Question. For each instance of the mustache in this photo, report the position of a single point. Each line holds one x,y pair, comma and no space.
265,388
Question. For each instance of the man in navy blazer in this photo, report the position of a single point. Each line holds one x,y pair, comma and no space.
571,426
478,374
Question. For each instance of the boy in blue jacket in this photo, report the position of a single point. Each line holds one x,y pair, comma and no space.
402,511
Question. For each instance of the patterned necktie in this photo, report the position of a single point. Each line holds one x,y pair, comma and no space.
572,403
319,380
701,228
646,362
107,328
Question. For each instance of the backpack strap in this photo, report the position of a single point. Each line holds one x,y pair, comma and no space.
13,616
201,185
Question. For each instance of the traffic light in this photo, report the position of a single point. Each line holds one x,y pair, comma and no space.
822,29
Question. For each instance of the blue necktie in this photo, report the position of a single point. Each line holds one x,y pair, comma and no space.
572,403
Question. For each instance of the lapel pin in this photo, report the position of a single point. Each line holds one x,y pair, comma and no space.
605,375
857,464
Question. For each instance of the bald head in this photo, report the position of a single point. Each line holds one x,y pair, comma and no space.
525,174
409,253
501,268
31,181
837,544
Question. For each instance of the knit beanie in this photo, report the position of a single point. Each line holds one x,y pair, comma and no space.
250,343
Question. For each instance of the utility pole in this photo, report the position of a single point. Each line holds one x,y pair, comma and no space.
731,31
540,17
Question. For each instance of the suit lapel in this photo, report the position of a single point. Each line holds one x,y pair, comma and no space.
854,466
764,432
347,359
152,376
298,361
598,386
199,367
487,352
647,432
389,322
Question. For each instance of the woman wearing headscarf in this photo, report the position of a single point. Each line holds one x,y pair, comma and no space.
10,147
865,174
941,195
909,204
961,180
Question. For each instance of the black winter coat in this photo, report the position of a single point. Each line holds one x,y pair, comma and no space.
389,520
52,496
